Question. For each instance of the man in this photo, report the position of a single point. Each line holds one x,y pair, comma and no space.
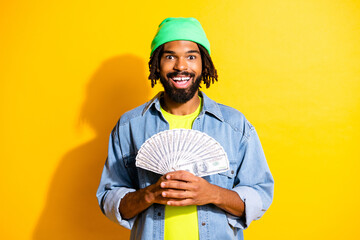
180,205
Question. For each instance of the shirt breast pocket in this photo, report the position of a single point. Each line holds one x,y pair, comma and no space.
129,162
224,179
140,177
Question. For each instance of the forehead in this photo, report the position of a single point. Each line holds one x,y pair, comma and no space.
181,46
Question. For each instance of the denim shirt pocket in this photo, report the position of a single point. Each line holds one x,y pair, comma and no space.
129,162
224,179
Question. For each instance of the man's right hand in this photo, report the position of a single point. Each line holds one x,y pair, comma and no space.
134,203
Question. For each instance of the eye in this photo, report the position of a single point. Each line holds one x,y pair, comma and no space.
169,57
191,57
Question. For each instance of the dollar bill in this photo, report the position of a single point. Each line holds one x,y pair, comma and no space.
205,167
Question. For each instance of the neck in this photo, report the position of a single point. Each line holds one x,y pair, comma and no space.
180,108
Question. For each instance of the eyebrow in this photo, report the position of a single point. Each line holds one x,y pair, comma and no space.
172,52
193,51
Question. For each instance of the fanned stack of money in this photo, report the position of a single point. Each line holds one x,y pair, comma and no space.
182,149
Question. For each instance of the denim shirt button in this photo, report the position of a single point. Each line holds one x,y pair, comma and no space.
232,171
203,223
159,214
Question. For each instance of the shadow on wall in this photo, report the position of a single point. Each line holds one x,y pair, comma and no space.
72,211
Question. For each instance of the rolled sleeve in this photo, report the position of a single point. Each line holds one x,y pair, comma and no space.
111,206
115,182
254,182
253,207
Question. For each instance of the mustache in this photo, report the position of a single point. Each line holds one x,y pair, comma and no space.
175,74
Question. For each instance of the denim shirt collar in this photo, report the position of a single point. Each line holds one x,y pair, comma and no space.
209,105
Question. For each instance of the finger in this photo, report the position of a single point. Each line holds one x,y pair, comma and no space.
184,202
160,198
162,178
177,194
162,201
175,184
181,175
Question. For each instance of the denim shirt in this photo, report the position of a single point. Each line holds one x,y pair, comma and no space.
249,175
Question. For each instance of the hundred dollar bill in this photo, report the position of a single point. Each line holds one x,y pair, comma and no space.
205,168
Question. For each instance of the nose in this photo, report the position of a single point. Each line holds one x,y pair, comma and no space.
181,64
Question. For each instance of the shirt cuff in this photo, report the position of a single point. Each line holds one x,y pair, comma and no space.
253,207
112,203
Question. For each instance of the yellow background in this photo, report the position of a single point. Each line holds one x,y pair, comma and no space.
69,69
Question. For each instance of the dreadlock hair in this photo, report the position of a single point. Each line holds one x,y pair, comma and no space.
154,65
209,73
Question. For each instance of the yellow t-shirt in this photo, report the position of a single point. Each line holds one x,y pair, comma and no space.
181,222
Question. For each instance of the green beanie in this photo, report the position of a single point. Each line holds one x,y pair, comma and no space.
172,29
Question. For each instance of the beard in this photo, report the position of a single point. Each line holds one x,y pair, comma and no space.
180,95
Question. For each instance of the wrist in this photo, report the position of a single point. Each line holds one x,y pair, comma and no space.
216,195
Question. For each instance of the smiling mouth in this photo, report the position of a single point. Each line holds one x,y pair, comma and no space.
181,79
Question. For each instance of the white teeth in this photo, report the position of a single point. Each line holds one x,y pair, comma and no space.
181,78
